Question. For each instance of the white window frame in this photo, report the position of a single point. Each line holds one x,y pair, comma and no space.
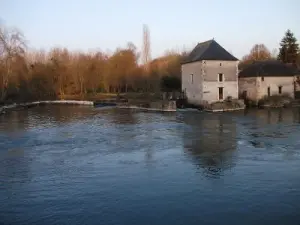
223,77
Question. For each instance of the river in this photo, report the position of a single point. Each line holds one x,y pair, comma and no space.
83,165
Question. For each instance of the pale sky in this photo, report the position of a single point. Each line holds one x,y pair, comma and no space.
97,24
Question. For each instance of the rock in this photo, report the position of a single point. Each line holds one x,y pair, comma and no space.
240,102
230,105
275,101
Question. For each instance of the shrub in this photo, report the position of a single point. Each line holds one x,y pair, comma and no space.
170,83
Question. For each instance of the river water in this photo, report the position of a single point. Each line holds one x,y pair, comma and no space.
81,165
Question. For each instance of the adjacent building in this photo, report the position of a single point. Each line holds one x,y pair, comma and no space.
266,78
297,84
209,74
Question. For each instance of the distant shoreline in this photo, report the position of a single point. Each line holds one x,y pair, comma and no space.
13,106
168,106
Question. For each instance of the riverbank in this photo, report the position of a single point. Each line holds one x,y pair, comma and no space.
162,105
131,100
225,106
219,106
158,105
276,101
16,106
148,105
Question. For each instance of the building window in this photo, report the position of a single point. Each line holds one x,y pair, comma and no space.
220,93
262,78
269,91
280,90
220,77
192,78
220,64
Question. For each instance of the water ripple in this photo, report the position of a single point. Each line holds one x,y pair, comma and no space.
81,165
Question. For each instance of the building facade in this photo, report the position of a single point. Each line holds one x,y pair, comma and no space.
297,84
209,74
266,78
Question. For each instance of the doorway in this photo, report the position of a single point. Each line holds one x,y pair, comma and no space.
244,95
220,93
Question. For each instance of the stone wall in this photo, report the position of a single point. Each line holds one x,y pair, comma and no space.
212,68
162,105
204,86
287,84
192,88
211,90
297,83
257,87
248,88
297,86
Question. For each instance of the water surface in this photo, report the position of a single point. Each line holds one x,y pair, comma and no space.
82,165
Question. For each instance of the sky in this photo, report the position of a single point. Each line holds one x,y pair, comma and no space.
174,24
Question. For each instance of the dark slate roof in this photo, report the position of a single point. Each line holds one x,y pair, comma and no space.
268,68
295,68
209,50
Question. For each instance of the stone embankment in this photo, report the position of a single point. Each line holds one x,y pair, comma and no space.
278,101
159,105
225,106
14,106
163,105
228,104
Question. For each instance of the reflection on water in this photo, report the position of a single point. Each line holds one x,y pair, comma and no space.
54,116
83,165
271,128
275,116
211,140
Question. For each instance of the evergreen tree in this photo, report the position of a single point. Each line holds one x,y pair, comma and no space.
289,48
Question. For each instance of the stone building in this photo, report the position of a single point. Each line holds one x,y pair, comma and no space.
266,78
297,84
209,74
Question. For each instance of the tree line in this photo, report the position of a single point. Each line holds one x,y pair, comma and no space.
32,75
289,51
37,75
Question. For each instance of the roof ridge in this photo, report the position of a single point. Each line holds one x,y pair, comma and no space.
210,40
206,45
209,50
263,68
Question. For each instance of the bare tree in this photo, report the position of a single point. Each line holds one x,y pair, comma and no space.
146,53
59,73
12,46
274,53
258,52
